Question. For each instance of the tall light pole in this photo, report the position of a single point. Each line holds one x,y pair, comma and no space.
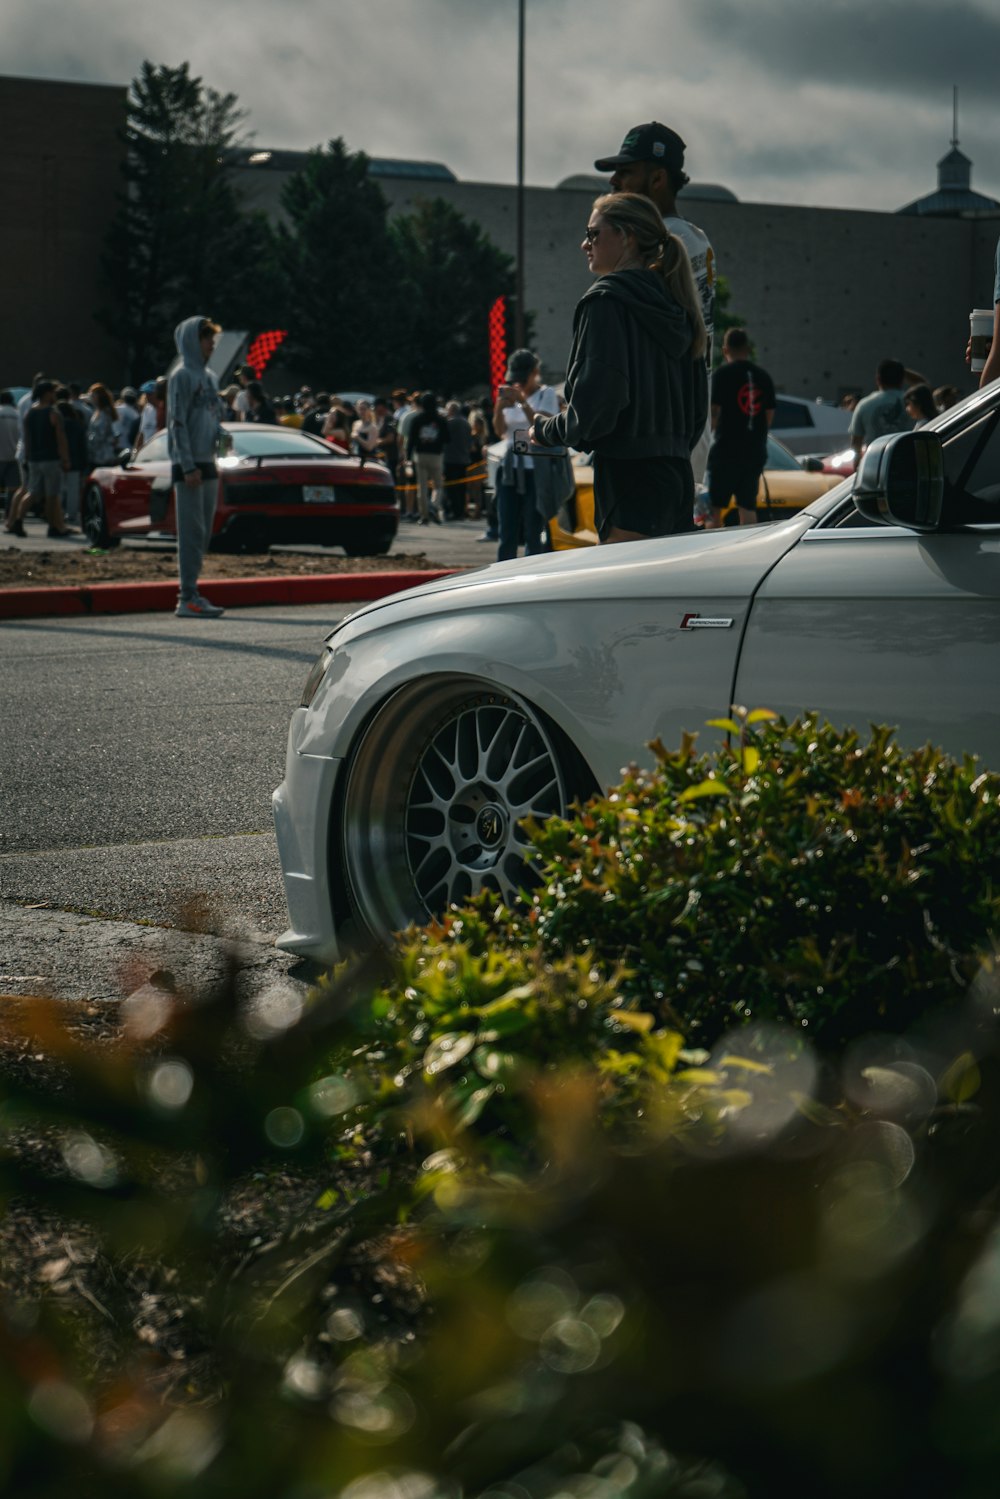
519,295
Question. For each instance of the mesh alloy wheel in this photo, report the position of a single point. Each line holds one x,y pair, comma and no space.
434,798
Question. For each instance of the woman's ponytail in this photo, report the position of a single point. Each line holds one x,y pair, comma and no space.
660,251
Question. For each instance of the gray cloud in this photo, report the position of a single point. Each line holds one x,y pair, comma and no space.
840,104
896,46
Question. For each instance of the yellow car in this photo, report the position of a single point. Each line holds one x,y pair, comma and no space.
785,486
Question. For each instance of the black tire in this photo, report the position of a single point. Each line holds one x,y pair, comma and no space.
433,797
369,543
249,537
94,520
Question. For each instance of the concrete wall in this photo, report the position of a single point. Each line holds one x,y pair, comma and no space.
58,181
826,293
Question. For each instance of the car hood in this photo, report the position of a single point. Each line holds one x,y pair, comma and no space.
729,563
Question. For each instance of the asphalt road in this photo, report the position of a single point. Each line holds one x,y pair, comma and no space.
138,758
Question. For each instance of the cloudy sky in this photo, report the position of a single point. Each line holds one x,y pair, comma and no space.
844,104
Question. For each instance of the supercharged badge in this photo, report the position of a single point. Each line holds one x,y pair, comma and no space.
705,622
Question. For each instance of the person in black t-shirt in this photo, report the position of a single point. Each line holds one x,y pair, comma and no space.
742,410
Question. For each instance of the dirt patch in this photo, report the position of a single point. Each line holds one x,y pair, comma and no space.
23,569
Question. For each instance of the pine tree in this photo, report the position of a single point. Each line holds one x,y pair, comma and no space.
453,274
181,242
343,272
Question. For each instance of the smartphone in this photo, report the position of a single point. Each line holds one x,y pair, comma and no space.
521,442
505,392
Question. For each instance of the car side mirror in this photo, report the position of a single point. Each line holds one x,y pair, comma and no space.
124,457
900,481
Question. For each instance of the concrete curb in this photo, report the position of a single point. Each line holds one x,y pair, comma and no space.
142,598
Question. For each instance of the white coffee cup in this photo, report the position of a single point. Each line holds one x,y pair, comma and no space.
981,326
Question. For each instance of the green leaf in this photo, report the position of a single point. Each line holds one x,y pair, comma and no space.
634,1020
711,787
729,724
751,759
962,1080
452,1047
475,1104
761,715
747,1064
816,1113
499,1065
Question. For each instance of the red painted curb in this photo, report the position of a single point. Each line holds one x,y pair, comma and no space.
142,598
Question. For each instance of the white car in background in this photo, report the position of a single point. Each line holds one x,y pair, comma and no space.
810,426
435,720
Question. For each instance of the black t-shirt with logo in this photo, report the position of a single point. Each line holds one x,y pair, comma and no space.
744,393
428,434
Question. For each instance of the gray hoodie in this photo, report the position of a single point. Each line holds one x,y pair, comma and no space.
633,389
193,406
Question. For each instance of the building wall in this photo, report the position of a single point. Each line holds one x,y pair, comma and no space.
826,293
59,174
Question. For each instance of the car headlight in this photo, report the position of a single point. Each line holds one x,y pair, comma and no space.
320,668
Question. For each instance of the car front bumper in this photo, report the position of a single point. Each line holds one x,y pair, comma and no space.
302,806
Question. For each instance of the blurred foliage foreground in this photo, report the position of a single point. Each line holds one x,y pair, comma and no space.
681,1180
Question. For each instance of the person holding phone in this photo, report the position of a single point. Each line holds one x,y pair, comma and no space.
518,403
637,389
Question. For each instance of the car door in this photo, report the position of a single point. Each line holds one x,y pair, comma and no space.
877,624
147,474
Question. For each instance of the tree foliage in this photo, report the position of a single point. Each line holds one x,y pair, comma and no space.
182,241
367,300
342,271
453,273
723,317
375,300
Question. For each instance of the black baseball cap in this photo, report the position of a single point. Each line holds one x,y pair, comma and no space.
653,142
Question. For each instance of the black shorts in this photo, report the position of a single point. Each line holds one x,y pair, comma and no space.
733,481
651,496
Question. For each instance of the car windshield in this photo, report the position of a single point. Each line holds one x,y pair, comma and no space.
778,455
270,442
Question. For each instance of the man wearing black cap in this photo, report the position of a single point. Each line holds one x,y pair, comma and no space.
651,162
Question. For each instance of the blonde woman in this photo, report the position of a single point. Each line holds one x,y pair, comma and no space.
636,391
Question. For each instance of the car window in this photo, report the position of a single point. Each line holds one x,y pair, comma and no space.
288,442
778,455
972,477
972,470
154,451
791,414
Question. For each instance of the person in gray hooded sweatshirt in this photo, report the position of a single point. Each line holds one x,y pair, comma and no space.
636,391
193,426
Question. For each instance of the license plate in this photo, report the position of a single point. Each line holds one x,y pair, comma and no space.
317,494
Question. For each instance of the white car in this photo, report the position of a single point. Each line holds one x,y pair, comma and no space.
435,720
810,426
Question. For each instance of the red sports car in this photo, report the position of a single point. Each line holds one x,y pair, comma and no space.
276,484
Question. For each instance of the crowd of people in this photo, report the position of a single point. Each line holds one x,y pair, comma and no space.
53,437
638,397
434,449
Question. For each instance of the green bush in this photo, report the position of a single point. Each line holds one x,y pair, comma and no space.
565,1219
798,874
